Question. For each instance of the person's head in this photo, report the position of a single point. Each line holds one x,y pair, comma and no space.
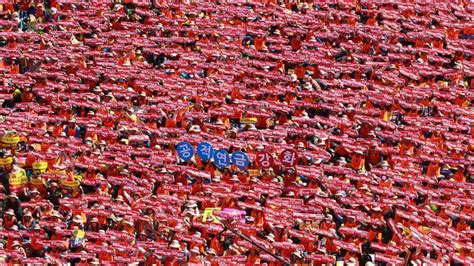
249,220
175,245
34,193
9,214
27,216
55,216
279,228
195,252
71,123
211,252
77,220
12,197
296,256
16,245
142,236
6,161
328,218
54,186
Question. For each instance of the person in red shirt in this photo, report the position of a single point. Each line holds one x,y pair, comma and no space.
9,219
358,160
327,223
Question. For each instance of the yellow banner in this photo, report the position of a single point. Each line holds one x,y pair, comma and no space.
209,215
71,183
10,139
18,179
7,160
40,165
248,120
37,182
254,172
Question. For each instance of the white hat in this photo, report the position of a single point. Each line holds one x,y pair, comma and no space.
191,204
175,244
293,77
195,250
376,208
77,219
195,129
270,237
211,251
16,243
297,253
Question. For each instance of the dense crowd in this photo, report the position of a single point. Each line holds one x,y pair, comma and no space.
374,99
